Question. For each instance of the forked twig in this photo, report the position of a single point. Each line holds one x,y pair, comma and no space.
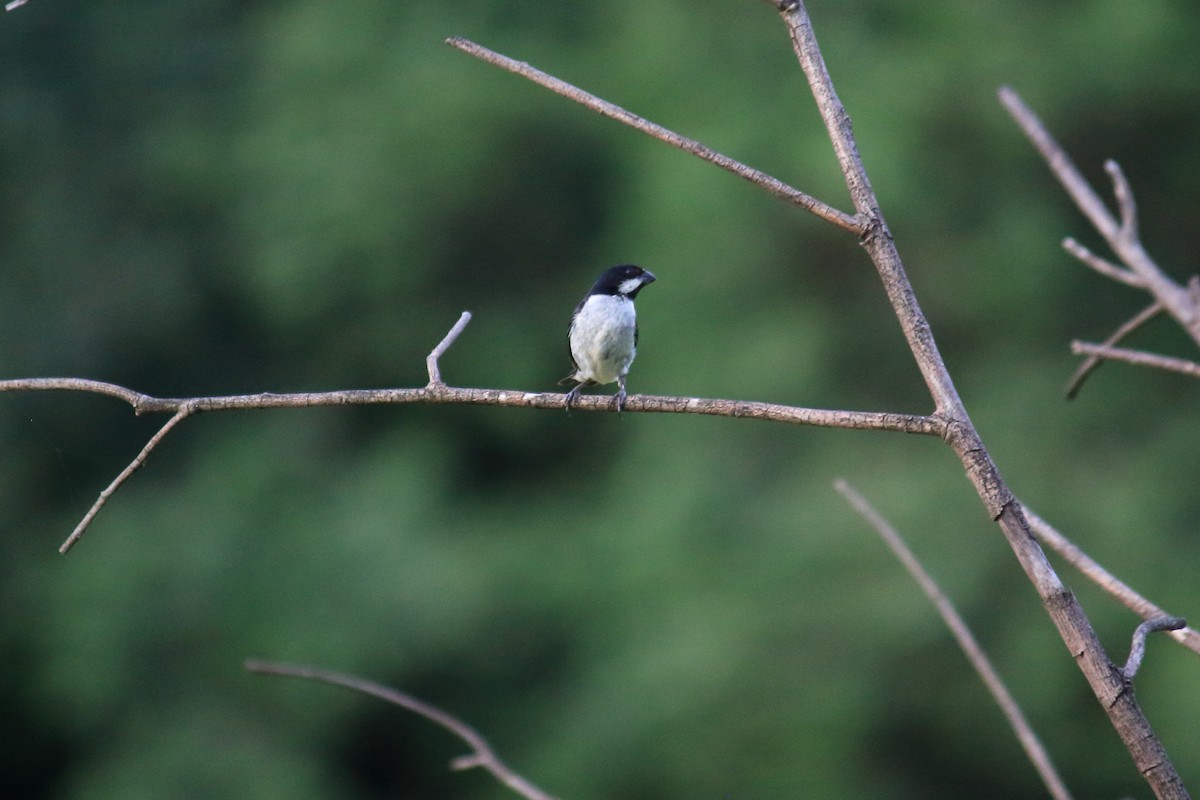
482,755
1034,750
1119,232
1090,363
438,393
773,185
1049,536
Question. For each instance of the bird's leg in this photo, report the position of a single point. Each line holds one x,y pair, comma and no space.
573,395
620,395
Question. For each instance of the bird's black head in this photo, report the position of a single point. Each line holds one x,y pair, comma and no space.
626,280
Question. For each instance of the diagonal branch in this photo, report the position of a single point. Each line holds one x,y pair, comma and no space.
1069,618
1034,750
482,755
184,411
773,185
1121,234
1102,265
1092,362
1050,536
1073,625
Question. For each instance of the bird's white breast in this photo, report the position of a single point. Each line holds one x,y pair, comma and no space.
603,336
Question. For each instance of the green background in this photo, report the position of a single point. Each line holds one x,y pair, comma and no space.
216,197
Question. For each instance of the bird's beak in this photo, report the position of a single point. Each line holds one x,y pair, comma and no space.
647,277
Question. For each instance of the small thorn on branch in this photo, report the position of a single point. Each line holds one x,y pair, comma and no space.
431,361
1137,650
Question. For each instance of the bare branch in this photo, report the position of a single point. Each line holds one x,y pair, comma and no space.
1121,236
1137,357
1029,740
512,398
126,473
1102,265
15,4
1061,165
1076,630
482,755
438,393
773,185
1048,535
431,362
1137,650
1092,362
138,400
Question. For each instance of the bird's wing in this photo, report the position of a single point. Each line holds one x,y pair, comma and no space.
570,355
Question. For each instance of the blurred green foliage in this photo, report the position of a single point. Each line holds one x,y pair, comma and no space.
212,197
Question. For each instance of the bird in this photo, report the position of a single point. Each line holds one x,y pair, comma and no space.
604,333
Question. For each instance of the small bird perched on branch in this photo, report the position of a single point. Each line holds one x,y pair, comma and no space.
604,331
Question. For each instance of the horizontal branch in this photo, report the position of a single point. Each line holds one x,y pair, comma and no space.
603,107
512,398
1138,357
437,393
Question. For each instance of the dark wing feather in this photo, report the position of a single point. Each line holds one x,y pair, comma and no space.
570,355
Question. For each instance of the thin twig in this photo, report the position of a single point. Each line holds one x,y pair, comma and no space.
1102,265
1048,535
482,755
1137,357
1034,750
183,412
1122,235
773,185
1061,165
1137,650
431,361
1126,205
15,4
1092,362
